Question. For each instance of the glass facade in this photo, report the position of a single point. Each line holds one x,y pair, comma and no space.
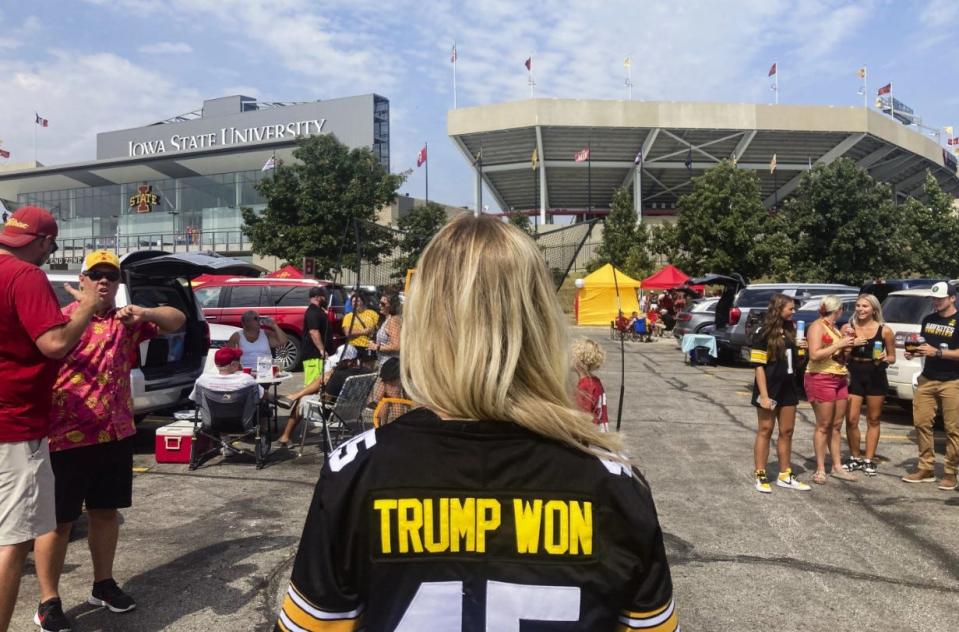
196,210
381,131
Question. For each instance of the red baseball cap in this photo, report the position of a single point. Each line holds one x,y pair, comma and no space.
226,355
25,225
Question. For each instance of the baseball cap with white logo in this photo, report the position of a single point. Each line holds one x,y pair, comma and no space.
943,289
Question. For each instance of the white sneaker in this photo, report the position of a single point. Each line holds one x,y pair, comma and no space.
792,483
762,483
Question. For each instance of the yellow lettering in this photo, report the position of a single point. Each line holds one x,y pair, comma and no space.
527,525
409,521
462,523
487,519
556,515
433,545
384,506
580,528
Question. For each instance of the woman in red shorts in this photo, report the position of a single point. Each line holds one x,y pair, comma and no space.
826,386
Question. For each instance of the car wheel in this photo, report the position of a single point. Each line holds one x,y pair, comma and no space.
288,356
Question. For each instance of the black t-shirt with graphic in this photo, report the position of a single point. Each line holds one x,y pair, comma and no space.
937,330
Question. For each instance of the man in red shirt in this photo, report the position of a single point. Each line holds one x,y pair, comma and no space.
34,335
91,436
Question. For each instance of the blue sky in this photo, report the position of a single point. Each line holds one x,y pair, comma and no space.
95,65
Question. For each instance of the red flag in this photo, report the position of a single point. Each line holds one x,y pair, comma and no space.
950,141
886,89
421,157
4,153
772,70
581,155
529,64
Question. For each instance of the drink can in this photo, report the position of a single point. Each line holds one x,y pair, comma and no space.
800,329
876,350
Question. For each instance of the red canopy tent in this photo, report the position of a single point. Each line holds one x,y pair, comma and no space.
287,272
666,279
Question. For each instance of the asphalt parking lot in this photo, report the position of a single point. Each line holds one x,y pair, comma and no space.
212,549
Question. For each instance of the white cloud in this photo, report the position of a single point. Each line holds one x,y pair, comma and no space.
78,94
166,48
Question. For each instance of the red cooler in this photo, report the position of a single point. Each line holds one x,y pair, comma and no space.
173,442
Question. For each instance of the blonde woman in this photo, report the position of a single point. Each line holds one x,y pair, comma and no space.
449,516
588,356
827,386
867,380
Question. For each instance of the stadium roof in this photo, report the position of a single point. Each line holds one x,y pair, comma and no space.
668,135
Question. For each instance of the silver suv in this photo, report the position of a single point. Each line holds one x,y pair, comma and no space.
168,365
733,339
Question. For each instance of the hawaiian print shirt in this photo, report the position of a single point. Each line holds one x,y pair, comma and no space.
92,400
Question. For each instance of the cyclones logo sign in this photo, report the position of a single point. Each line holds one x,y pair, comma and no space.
144,199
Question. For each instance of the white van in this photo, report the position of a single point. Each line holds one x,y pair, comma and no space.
903,312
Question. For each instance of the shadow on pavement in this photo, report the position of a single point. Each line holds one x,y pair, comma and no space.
207,578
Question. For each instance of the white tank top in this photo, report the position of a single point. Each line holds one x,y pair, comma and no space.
253,350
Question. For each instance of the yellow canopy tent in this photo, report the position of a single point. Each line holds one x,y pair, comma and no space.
596,302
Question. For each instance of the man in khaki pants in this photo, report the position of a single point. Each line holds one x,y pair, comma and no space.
938,386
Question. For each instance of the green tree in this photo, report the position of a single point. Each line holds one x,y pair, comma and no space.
931,227
418,226
619,230
664,241
313,202
721,223
521,221
844,226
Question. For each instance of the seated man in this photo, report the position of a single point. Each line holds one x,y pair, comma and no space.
328,385
639,327
229,376
257,340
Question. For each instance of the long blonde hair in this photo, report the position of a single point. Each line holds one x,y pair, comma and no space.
484,336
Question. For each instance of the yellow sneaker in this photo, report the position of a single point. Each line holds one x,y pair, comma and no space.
762,483
787,480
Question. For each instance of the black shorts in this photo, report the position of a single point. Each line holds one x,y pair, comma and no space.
784,391
101,476
868,379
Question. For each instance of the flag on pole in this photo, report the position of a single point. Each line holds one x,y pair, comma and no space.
862,72
529,64
772,70
627,63
948,129
638,160
581,155
42,122
453,54
535,158
886,89
952,141
772,164
421,157
269,164
4,153
689,159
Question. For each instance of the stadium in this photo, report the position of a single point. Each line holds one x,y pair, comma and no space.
658,147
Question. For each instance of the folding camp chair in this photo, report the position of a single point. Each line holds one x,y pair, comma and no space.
343,418
229,413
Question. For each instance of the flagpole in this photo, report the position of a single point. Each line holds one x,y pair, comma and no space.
777,83
865,88
34,141
892,104
530,80
427,162
589,180
454,75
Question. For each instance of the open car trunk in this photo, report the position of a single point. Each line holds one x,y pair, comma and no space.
156,278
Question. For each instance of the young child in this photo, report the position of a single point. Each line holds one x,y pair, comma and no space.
590,394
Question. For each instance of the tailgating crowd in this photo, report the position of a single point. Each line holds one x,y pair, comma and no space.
846,371
66,437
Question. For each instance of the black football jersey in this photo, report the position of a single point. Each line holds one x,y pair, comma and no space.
460,526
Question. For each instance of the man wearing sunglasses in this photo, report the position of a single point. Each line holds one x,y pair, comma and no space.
34,336
91,436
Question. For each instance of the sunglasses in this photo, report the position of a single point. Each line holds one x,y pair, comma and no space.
53,244
110,275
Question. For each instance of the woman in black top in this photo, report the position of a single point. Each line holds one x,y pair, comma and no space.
775,395
875,350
